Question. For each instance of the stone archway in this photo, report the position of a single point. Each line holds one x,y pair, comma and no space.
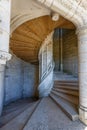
76,11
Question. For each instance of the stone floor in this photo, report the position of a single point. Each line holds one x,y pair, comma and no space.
47,116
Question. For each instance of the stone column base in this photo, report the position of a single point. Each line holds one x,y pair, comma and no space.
83,115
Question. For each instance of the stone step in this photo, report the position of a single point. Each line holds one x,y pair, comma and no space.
66,84
70,98
47,116
16,105
20,121
69,109
70,92
13,108
8,117
66,81
64,77
70,87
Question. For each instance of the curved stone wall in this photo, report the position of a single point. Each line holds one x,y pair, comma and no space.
21,79
46,66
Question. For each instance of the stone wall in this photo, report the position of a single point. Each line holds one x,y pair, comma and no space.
70,52
21,79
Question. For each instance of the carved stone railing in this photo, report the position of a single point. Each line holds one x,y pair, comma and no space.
46,83
46,66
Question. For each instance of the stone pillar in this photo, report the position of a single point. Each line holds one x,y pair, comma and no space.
4,43
82,55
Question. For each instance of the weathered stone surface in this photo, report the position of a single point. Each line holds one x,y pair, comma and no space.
67,107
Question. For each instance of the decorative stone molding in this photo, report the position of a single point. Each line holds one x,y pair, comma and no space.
4,56
55,16
75,11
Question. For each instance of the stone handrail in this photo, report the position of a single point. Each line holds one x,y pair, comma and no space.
49,68
45,86
46,78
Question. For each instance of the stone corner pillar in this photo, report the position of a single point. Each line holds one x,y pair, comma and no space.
5,9
82,65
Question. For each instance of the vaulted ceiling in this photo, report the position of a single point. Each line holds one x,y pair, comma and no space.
27,38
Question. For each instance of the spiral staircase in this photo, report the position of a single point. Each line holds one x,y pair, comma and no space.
65,94
57,107
59,110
